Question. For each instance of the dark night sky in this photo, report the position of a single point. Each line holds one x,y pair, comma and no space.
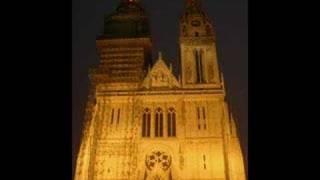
231,22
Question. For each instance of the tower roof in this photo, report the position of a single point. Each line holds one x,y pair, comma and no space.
195,22
193,7
128,21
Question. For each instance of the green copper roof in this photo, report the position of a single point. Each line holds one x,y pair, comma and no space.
128,21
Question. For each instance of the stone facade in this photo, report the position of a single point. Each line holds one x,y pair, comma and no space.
158,127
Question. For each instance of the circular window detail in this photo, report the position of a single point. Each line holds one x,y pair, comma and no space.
158,160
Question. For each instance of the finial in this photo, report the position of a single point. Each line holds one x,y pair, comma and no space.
160,55
194,4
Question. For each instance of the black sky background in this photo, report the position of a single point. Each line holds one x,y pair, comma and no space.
230,18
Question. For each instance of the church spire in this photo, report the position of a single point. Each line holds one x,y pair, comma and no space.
194,21
129,0
194,2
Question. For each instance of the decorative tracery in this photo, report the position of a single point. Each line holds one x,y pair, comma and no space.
158,159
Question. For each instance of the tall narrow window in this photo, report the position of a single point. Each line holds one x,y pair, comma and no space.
146,118
156,126
148,122
144,124
174,124
198,113
112,116
198,67
159,123
118,117
201,66
171,123
204,162
204,118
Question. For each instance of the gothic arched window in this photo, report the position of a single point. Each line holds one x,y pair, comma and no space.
159,123
146,121
199,65
171,123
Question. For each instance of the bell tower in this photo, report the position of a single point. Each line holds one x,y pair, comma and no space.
124,48
199,67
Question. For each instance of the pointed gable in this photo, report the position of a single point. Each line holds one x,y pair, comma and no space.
160,76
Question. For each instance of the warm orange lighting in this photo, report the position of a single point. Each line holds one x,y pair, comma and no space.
145,123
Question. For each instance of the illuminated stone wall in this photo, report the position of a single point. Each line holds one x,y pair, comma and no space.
115,149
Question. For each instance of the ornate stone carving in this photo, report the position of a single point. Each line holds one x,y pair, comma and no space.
160,76
159,79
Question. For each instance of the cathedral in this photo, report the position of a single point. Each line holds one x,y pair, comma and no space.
143,122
